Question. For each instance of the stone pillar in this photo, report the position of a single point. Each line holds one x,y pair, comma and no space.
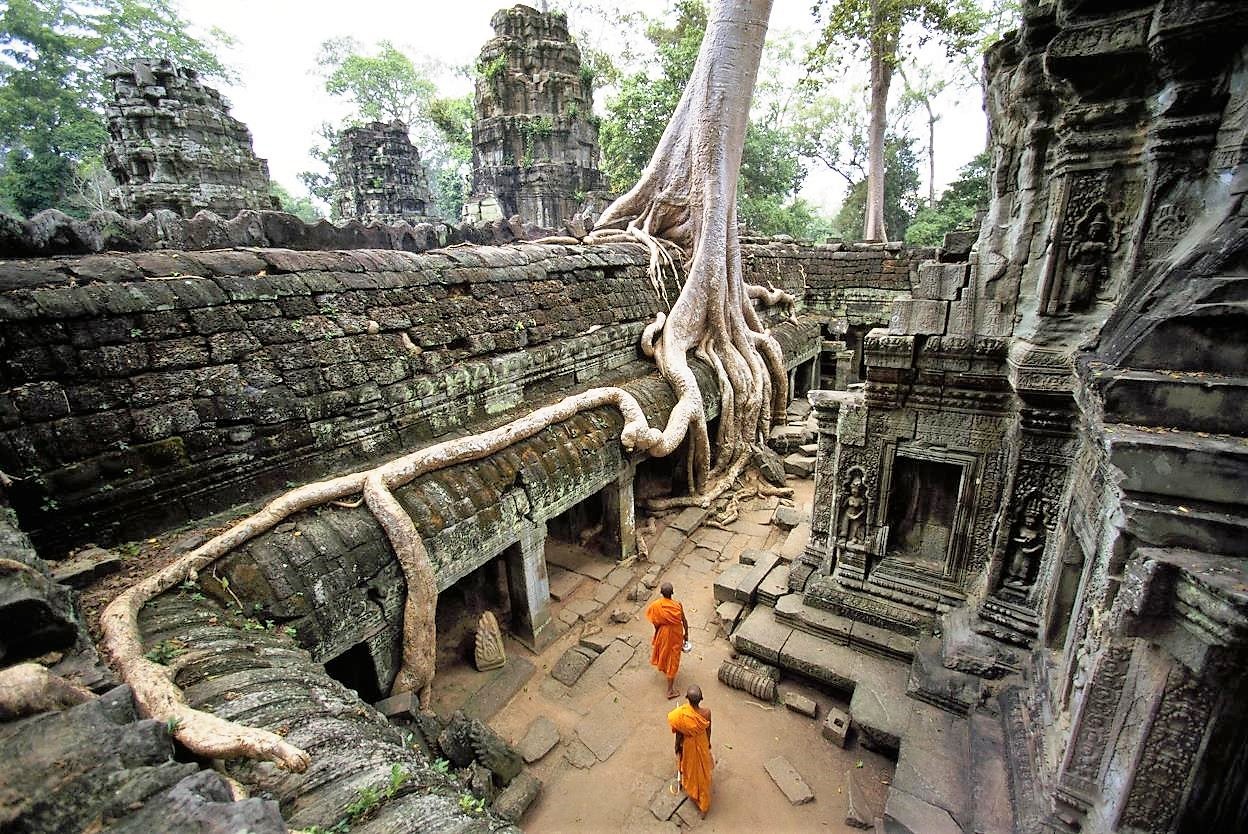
530,588
619,521
827,407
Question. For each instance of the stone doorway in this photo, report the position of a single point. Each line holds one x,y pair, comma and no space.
929,494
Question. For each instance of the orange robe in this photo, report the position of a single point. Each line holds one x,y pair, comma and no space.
669,639
695,754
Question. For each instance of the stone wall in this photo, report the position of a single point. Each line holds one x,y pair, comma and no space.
1083,365
173,145
535,138
379,175
147,389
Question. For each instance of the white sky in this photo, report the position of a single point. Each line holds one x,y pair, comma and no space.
282,100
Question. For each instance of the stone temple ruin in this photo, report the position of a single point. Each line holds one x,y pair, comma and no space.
1020,574
379,175
535,137
173,145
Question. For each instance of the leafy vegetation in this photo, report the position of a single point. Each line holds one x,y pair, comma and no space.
956,207
53,57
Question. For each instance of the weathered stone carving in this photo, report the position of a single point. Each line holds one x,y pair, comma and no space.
852,524
1088,258
173,145
1022,558
489,652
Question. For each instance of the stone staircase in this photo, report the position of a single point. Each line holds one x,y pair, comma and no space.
951,775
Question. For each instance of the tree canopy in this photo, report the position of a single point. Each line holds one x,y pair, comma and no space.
956,207
53,57
771,168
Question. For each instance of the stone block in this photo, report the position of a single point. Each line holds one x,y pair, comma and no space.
402,705
597,643
666,800
689,519
799,465
571,665
787,517
36,614
836,726
604,729
516,798
861,809
789,781
800,704
538,740
729,613
563,582
620,615
726,583
940,281
919,316
606,664
86,566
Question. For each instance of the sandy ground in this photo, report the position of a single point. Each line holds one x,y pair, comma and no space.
616,794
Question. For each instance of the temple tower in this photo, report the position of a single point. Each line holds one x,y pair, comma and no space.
174,145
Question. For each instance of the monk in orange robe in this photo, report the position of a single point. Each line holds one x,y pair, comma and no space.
671,630
691,723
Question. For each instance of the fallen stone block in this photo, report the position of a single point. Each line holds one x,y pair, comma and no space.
789,781
540,738
403,705
860,811
800,704
786,517
811,449
597,643
799,465
620,615
604,729
836,726
770,465
728,613
639,592
36,614
517,797
86,566
725,589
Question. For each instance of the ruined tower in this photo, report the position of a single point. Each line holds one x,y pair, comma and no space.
379,174
535,139
174,145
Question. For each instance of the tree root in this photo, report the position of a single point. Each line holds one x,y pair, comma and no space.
28,688
205,734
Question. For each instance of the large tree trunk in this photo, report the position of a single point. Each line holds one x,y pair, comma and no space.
883,55
687,195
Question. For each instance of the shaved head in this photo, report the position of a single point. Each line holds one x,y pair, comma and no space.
666,589
694,695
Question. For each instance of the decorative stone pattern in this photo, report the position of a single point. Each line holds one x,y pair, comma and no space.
535,138
173,145
380,176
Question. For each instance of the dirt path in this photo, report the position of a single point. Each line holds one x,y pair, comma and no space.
582,792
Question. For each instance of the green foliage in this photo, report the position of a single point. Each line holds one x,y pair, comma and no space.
365,802
165,651
442,766
491,70
470,804
956,207
301,207
382,87
901,193
53,55
861,26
